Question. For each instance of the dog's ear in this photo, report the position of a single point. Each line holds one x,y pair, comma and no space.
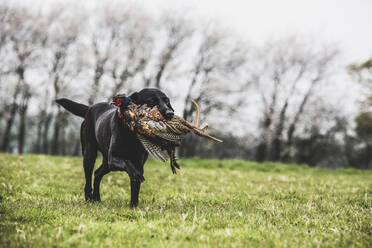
134,97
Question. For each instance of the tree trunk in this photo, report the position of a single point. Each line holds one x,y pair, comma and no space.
47,121
63,148
261,152
276,146
22,129
159,75
76,151
368,157
56,132
262,148
293,125
39,133
96,84
10,120
147,81
37,147
22,117
8,127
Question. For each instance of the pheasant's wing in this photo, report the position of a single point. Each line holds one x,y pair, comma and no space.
153,149
166,131
171,137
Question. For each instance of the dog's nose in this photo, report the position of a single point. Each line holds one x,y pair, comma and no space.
169,114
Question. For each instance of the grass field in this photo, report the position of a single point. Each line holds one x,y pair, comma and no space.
210,203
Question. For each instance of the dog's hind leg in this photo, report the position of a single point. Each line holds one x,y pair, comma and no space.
98,175
88,170
135,183
89,147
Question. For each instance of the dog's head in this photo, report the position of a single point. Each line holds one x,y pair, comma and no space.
154,97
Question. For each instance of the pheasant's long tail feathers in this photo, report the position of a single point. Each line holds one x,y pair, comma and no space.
198,131
203,134
197,115
195,127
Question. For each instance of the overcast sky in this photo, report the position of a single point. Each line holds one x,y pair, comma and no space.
347,23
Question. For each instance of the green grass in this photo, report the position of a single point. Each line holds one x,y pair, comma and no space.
210,203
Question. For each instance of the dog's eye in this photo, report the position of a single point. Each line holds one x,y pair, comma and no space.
154,101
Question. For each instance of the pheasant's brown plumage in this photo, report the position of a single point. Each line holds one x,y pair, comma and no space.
158,135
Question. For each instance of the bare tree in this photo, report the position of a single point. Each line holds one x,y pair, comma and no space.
103,39
5,106
289,77
362,72
62,35
216,61
133,49
26,36
176,32
321,67
123,48
5,19
214,66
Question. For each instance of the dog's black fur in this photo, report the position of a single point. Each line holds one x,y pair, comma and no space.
102,130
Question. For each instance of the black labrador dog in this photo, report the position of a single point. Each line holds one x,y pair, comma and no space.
102,130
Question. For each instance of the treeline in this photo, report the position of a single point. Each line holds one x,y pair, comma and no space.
268,102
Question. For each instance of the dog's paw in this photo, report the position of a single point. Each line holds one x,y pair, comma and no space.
88,196
133,205
96,199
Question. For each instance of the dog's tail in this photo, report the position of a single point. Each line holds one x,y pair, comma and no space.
74,107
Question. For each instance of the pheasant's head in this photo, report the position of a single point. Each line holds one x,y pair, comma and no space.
122,101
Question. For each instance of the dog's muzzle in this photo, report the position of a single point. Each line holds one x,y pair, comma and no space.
168,114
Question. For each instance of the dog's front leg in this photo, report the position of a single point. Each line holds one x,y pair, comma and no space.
136,178
134,174
127,165
117,163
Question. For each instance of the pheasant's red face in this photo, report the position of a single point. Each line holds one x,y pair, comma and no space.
117,101
155,115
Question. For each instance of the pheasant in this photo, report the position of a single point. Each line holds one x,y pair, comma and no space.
158,135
